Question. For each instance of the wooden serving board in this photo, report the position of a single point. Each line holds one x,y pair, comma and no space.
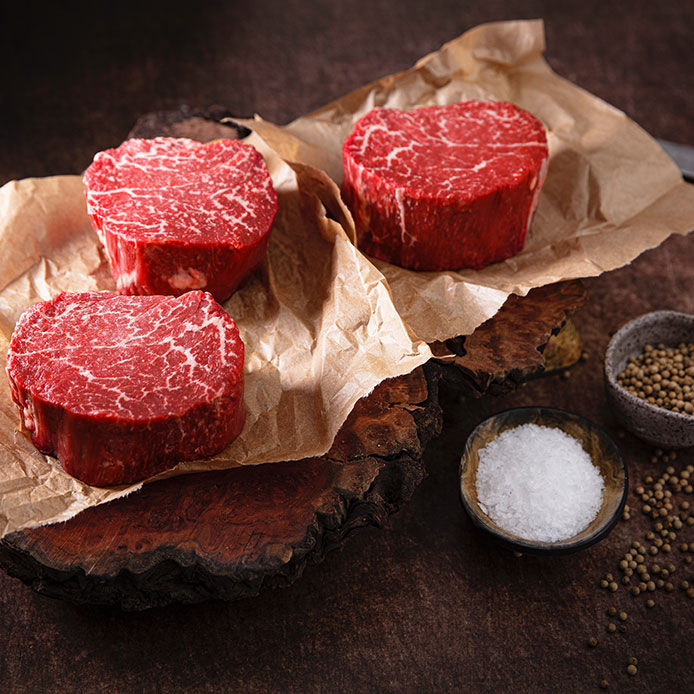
230,534
227,534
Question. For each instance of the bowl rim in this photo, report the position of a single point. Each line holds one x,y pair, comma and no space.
538,547
609,369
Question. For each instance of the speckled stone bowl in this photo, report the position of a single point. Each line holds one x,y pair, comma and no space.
656,425
602,449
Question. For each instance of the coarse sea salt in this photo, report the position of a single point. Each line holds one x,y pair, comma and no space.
538,483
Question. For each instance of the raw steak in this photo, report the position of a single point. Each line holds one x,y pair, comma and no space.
444,187
176,215
119,388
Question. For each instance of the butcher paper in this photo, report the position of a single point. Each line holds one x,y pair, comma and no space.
317,320
611,192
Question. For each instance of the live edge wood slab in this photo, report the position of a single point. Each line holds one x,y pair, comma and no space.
227,534
230,534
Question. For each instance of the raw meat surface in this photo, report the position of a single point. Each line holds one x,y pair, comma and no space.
444,187
175,214
119,388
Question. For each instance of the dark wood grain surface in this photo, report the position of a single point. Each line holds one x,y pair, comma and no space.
424,604
505,350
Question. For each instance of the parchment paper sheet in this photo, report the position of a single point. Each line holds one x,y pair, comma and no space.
611,192
318,322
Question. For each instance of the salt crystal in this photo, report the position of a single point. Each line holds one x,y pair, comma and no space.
538,483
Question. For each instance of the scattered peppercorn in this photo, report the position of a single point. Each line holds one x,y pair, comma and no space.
660,497
592,642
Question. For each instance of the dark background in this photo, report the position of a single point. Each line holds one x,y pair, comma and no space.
423,604
79,75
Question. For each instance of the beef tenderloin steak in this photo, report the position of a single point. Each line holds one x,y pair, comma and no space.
176,215
119,388
444,187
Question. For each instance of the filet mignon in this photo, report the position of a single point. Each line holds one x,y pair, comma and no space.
119,388
444,187
175,214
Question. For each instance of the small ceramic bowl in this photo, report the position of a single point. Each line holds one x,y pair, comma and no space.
656,425
603,451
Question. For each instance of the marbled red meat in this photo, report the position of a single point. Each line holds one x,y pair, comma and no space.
119,388
176,215
444,187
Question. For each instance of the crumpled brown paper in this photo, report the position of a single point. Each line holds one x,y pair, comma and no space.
611,192
318,322
320,327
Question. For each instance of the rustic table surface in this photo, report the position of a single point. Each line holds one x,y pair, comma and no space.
425,603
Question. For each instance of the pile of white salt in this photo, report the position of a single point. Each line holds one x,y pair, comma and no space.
538,483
